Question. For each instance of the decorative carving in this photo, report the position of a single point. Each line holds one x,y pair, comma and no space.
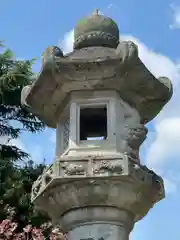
73,169
167,83
108,166
47,176
24,94
139,172
134,136
156,180
50,53
66,134
42,181
136,186
100,37
146,175
157,183
36,187
128,51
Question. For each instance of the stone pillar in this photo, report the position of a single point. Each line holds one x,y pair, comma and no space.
97,223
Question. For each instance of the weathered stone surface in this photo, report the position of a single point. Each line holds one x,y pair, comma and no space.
96,30
98,231
49,55
125,134
98,68
97,223
95,190
120,183
134,137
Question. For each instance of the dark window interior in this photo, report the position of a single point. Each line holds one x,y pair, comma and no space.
93,123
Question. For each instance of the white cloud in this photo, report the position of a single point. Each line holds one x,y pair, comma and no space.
67,42
170,186
175,17
166,142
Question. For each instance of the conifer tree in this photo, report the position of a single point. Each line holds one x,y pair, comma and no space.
16,179
14,118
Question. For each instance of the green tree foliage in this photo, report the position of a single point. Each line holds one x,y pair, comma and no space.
15,189
14,75
16,179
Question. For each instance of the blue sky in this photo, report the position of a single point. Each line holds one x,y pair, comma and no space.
28,27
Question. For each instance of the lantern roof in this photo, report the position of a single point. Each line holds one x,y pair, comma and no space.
91,66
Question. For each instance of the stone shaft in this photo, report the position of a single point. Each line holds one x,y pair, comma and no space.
99,231
97,223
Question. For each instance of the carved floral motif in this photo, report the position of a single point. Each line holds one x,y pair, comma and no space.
73,169
108,166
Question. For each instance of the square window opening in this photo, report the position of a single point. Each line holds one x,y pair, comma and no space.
93,123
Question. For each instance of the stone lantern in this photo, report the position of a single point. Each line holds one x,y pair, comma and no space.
99,98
